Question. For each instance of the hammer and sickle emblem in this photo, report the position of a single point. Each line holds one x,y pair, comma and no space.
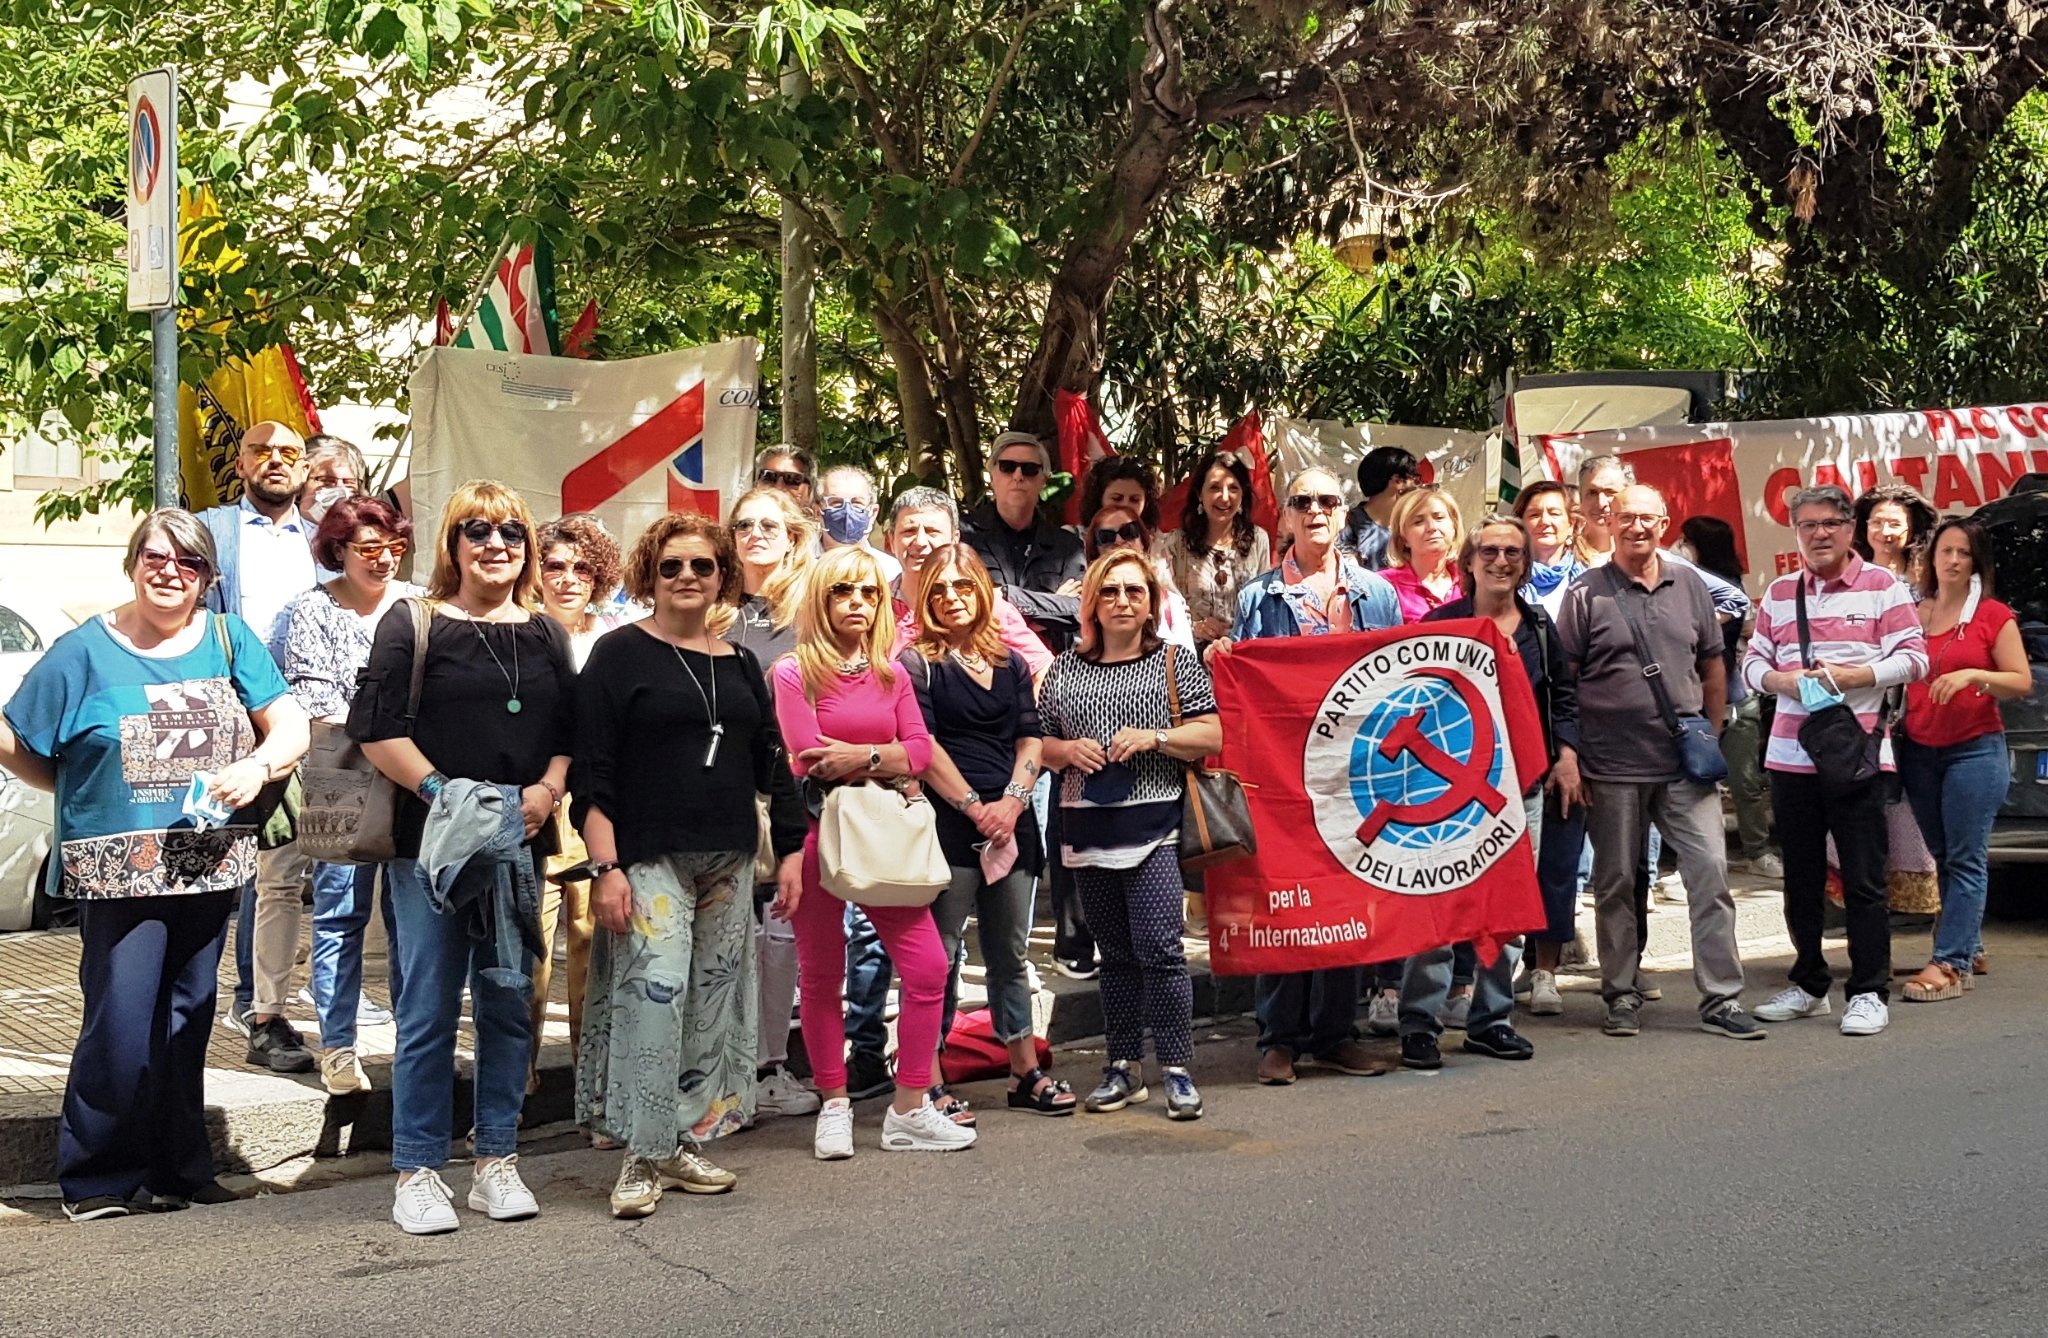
1467,780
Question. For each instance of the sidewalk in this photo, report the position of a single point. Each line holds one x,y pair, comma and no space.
260,1119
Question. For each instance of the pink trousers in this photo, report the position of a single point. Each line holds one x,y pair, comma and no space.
912,941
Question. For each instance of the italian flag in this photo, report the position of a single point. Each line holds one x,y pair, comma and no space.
517,311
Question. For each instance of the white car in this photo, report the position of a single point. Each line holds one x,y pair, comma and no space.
28,624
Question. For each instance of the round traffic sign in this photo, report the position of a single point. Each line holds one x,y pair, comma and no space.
145,150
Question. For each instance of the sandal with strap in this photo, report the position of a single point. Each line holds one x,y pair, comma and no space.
1936,981
950,1106
1054,1098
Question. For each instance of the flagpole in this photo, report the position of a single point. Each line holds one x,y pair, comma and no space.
469,306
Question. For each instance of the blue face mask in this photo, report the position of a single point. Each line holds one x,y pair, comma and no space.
848,522
1814,693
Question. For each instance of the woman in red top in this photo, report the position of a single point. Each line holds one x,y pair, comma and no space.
1422,551
1953,759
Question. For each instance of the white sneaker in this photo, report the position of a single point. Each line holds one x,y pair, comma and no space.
781,1093
923,1130
1383,1014
497,1191
834,1139
1791,1003
1670,889
1767,865
369,1013
638,1190
423,1206
341,1072
1456,1010
1866,1015
1544,998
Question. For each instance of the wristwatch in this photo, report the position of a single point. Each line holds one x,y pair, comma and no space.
599,868
1159,738
874,758
968,800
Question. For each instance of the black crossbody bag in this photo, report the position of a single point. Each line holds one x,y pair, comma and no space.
1845,755
1692,737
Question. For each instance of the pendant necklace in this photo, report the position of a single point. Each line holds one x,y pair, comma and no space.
512,703
973,661
710,701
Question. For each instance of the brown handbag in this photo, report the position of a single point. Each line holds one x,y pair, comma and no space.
1216,818
349,807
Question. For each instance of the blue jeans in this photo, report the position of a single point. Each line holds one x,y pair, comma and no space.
1427,979
1956,793
867,986
437,956
341,911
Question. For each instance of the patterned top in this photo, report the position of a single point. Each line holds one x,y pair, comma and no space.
326,644
1115,817
1210,578
1863,616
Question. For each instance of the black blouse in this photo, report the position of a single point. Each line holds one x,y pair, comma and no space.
979,728
464,727
645,731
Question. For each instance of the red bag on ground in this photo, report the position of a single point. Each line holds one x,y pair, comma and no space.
973,1052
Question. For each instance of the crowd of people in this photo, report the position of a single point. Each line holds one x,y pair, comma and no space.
640,742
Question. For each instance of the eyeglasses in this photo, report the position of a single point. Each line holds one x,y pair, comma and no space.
1137,592
959,586
1648,520
860,504
557,567
1030,469
1495,552
479,531
847,590
1106,537
1821,526
284,451
372,550
767,526
782,478
703,568
155,560
1322,501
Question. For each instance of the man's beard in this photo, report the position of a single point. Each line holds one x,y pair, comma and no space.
261,490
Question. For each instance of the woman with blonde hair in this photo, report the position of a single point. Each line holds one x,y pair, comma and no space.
493,727
849,718
1422,551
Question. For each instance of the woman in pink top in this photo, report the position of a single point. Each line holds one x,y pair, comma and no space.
1422,550
849,717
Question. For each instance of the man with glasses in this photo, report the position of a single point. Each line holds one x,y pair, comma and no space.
1036,564
1865,640
264,543
846,514
790,468
1630,763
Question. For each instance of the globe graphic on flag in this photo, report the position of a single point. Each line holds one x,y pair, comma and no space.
1403,779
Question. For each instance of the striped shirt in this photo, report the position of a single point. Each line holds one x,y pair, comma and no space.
1862,617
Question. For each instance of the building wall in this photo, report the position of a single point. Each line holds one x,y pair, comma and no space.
75,564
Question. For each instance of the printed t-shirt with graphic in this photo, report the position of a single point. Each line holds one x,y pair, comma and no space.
127,731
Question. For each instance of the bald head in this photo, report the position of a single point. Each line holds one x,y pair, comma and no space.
272,466
1640,519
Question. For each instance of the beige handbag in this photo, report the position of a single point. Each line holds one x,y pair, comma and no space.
349,807
765,863
880,847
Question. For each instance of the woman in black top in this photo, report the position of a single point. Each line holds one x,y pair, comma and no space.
977,701
497,705
678,734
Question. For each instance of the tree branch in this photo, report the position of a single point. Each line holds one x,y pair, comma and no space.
995,89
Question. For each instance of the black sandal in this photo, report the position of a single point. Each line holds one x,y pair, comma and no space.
950,1106
1055,1098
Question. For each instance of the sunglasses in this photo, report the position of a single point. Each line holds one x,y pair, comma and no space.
1495,552
558,567
703,568
1136,593
1030,469
479,531
782,478
769,528
370,552
290,454
1323,501
847,590
1106,537
155,560
959,585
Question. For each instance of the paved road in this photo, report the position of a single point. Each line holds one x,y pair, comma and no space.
1670,1185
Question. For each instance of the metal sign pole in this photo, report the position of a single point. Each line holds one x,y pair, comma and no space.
153,256
163,390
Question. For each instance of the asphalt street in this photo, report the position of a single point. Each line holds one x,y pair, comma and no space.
1672,1184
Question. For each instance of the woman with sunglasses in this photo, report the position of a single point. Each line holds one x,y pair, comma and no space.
1120,528
498,707
140,721
976,697
676,735
1107,710
1315,591
1217,549
1422,550
848,717
327,635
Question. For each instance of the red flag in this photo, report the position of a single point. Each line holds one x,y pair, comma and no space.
444,324
577,344
1081,444
1248,439
1385,772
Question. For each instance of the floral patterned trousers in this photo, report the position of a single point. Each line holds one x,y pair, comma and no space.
670,1018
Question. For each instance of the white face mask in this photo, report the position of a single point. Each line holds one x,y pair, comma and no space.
323,502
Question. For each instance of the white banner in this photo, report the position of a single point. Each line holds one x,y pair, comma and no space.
630,441
1958,459
1466,464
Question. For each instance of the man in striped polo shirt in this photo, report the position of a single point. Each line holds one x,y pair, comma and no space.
1865,641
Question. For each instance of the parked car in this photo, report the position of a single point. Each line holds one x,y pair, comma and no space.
28,624
2018,525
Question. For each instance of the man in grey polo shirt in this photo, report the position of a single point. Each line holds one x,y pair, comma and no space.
1630,764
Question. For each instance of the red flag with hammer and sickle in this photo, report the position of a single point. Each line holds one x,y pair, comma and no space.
1385,772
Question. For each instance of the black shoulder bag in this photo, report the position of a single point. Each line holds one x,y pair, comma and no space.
1692,737
1845,755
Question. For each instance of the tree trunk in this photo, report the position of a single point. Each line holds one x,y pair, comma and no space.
799,308
923,427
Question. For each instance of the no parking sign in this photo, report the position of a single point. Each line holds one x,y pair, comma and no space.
153,190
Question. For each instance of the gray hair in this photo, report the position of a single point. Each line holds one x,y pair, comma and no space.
1823,494
1594,464
1008,439
874,489
925,499
182,530
322,444
804,459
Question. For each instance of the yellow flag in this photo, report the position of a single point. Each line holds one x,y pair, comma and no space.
262,387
